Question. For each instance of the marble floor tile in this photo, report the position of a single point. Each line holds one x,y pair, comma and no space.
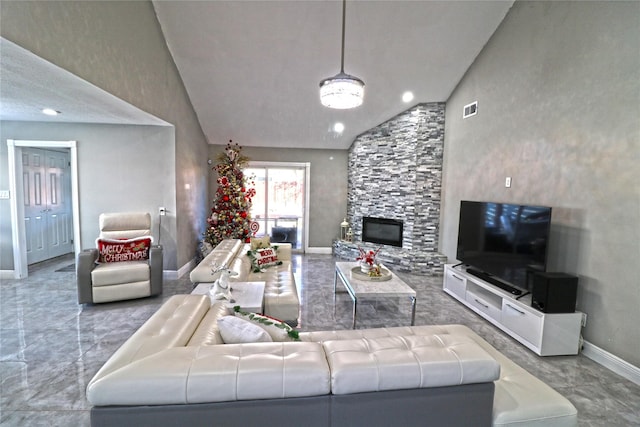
50,347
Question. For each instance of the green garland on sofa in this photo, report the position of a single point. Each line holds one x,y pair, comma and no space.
269,321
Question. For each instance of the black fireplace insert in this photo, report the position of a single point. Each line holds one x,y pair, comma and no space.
385,231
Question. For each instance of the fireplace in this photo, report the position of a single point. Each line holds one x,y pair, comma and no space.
382,230
395,171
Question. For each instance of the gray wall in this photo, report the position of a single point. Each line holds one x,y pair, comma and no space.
558,110
328,186
110,176
119,47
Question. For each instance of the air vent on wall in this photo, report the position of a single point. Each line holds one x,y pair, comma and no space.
470,110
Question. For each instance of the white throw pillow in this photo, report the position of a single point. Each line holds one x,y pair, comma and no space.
278,330
260,242
235,330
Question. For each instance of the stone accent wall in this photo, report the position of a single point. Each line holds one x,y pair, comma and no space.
395,171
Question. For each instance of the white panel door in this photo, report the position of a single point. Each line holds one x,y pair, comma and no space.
47,203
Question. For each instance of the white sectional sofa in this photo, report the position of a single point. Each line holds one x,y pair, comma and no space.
175,370
280,294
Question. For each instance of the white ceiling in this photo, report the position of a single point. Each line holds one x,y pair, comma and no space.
28,84
252,68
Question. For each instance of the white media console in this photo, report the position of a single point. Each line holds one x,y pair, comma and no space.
546,334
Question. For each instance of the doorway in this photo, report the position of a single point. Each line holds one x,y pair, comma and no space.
280,205
44,201
48,221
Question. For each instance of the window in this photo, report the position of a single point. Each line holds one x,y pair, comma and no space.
280,203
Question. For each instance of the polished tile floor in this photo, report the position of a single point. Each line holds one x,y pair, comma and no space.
50,346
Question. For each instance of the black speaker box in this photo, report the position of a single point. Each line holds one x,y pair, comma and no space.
554,292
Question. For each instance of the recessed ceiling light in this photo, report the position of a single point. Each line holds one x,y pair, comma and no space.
338,127
50,112
407,96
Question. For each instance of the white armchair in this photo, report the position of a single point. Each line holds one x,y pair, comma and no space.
111,273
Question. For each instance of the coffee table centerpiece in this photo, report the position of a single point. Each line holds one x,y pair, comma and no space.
378,273
368,263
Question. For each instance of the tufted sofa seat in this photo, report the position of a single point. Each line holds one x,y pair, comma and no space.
175,370
520,398
280,293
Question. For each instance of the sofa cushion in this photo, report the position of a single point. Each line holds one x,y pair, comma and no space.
216,373
171,326
242,266
229,245
235,330
208,332
125,225
119,250
100,294
278,330
520,398
223,254
393,363
117,273
280,294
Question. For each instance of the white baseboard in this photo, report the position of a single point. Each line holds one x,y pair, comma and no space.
319,250
169,274
7,274
176,274
187,267
612,362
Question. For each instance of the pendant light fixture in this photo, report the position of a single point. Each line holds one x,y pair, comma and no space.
342,91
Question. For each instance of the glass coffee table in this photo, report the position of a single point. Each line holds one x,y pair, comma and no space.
360,288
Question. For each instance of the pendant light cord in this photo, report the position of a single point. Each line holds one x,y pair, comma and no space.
344,14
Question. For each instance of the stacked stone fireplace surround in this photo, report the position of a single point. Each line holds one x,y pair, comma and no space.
395,171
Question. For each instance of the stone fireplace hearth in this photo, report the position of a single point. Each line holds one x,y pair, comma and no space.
395,171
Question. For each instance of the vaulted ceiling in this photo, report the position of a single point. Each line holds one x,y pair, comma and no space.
252,68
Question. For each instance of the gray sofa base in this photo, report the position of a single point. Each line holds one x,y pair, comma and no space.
462,405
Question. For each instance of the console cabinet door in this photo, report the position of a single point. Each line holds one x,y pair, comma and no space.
455,283
522,322
484,303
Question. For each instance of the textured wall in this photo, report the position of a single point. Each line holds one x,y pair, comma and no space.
395,171
119,47
558,110
110,175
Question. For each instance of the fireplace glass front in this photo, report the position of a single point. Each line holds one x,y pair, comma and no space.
382,230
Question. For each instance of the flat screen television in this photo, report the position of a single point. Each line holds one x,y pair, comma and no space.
502,243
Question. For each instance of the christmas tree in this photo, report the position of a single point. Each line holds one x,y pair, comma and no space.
230,218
